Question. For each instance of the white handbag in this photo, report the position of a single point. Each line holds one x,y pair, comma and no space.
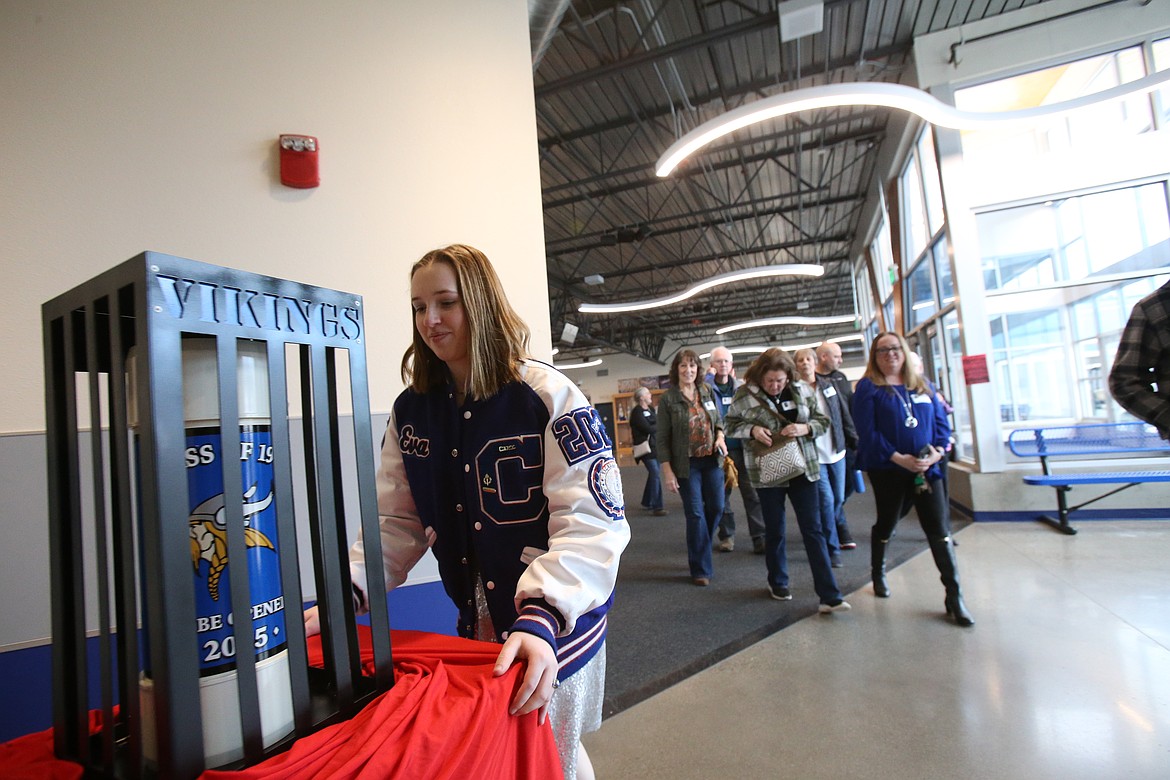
784,459
781,462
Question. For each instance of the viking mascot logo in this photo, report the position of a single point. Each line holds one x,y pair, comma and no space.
209,535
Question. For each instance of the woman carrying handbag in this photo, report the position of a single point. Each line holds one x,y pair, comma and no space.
778,415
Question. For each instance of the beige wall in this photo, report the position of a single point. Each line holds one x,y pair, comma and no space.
143,125
134,125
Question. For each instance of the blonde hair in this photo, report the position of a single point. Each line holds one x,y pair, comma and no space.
805,351
498,337
910,377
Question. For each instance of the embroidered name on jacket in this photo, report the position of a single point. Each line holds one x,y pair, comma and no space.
413,445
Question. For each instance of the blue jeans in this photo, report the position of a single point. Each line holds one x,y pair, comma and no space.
702,497
838,480
832,497
805,497
652,494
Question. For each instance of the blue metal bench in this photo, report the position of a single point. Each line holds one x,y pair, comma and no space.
1098,440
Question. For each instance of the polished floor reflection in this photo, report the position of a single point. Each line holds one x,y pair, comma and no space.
1066,674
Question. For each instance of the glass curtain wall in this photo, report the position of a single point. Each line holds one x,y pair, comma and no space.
1063,270
875,307
929,318
881,255
1062,277
1000,150
866,313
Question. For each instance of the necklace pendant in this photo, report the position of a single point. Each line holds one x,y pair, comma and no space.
911,422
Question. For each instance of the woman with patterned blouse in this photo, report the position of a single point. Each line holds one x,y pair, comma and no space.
691,445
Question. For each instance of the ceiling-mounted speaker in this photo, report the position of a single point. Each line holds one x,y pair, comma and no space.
799,18
569,333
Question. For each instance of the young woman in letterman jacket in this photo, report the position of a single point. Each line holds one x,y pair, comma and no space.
902,433
499,464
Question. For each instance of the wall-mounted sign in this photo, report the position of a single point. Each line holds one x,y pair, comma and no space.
975,369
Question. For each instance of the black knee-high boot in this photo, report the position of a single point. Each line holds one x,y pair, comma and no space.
877,561
944,558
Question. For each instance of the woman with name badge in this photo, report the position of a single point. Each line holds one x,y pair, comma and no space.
499,465
778,416
644,435
690,439
902,436
830,448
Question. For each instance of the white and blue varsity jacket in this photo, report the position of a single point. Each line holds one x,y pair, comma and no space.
521,490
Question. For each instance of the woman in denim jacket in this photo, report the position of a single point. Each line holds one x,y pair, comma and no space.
770,405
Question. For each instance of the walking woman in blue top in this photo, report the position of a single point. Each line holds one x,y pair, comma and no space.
902,433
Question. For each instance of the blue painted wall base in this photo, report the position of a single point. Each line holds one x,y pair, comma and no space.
26,682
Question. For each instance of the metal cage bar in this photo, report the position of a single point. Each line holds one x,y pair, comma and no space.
135,509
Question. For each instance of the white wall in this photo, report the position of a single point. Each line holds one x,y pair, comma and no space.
602,388
152,125
142,125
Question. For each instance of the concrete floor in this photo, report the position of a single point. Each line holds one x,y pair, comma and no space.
1066,674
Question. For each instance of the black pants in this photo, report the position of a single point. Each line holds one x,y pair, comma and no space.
892,488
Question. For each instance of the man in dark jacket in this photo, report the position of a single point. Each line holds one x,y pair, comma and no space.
829,366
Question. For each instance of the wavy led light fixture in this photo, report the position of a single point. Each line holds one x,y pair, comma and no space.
881,94
786,347
586,364
773,321
788,269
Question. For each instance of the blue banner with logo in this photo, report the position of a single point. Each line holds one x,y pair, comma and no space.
209,556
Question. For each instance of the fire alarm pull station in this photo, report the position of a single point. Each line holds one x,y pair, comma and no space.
298,161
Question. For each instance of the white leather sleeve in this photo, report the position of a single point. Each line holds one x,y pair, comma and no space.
402,536
578,571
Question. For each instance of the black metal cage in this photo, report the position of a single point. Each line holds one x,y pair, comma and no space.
119,506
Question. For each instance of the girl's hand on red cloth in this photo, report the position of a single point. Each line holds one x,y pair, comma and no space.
536,687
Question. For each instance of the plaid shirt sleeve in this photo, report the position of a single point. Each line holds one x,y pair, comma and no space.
1143,360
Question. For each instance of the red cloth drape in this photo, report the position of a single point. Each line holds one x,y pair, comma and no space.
445,717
